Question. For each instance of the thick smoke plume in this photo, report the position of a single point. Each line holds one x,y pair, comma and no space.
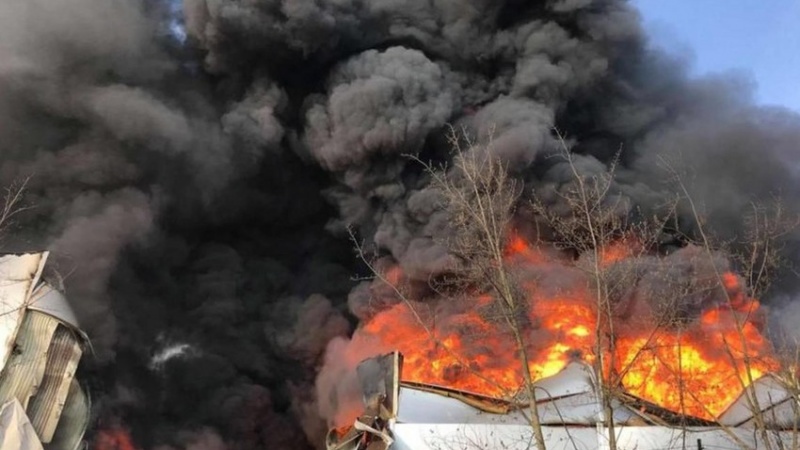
195,167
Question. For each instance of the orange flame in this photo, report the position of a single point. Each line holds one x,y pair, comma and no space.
619,250
702,369
113,438
698,368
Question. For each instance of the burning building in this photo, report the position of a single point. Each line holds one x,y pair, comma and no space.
197,168
44,406
707,377
414,416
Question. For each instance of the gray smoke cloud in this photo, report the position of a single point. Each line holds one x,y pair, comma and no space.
199,191
379,104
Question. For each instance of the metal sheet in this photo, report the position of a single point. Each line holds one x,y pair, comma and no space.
569,397
565,398
73,422
417,406
574,378
768,392
48,300
583,409
40,347
657,438
783,416
572,418
17,276
16,432
484,436
379,378
45,407
520,437
26,367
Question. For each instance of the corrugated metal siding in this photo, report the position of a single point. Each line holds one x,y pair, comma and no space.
73,422
25,369
18,274
45,407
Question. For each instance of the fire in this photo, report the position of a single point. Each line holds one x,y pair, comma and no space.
460,354
519,248
619,250
113,438
697,367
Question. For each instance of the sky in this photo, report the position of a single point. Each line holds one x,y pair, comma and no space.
759,39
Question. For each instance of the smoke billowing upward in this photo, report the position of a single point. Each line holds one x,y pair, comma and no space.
197,193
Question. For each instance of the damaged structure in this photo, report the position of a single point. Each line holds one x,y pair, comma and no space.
42,404
404,416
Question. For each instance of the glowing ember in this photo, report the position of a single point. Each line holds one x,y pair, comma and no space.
697,367
114,438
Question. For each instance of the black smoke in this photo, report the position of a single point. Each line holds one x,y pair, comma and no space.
197,192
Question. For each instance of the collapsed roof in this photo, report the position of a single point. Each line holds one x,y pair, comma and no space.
401,415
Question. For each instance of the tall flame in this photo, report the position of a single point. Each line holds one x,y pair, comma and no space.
697,368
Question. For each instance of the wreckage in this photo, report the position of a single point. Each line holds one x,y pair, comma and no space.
404,416
42,404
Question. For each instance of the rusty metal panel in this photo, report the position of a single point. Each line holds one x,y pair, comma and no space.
45,407
26,367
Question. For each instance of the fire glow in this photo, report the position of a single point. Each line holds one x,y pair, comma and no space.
113,438
697,368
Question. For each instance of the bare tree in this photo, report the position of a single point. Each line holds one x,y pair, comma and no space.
593,218
479,197
12,204
593,221
757,256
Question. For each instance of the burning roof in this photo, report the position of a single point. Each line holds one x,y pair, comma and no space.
200,191
42,405
401,415
707,368
694,360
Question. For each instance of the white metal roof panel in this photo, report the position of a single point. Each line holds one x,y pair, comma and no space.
574,378
520,437
417,406
486,436
768,391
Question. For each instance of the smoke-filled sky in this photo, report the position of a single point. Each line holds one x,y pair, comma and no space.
759,39
197,193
